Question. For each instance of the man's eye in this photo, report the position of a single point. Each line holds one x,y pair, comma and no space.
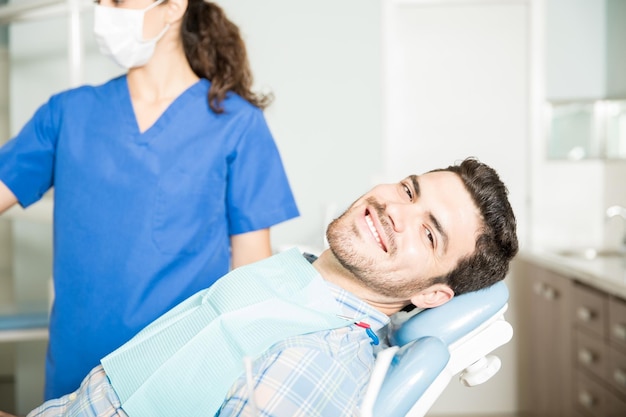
430,237
408,191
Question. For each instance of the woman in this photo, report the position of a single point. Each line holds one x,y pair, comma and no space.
163,178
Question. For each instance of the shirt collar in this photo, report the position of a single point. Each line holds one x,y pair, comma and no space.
352,306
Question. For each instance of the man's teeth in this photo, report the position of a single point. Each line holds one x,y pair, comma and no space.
370,223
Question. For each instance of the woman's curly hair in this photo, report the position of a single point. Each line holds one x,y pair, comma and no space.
216,51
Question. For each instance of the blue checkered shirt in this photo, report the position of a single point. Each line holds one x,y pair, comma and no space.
320,374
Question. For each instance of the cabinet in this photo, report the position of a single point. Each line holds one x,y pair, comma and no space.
575,348
549,341
599,353
584,49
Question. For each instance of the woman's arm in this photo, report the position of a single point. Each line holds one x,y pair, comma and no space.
250,247
7,199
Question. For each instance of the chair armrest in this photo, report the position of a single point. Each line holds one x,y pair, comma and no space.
412,370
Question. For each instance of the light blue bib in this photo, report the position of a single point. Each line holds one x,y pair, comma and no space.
184,363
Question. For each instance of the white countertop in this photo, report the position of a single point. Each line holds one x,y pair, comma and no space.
606,274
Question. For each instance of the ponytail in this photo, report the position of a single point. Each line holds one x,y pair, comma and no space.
215,51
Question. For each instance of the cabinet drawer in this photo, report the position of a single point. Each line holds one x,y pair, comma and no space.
617,406
590,398
617,322
590,354
590,310
616,370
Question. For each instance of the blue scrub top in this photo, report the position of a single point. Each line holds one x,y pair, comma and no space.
141,220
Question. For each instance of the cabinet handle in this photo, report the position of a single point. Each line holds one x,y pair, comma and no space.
549,293
585,356
619,331
620,377
586,399
585,314
545,291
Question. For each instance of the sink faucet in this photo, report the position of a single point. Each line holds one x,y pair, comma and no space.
615,211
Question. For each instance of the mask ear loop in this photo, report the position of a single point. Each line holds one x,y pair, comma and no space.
159,36
153,5
165,29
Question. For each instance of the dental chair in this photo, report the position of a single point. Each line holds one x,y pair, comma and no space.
434,345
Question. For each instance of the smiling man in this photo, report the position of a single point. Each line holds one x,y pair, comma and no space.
293,336
395,239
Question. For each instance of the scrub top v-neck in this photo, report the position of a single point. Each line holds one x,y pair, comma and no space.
141,220
128,114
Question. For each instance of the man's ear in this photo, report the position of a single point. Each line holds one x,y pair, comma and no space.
433,296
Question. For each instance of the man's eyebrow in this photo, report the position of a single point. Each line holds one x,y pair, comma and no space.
444,236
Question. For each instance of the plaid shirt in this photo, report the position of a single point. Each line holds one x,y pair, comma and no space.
319,374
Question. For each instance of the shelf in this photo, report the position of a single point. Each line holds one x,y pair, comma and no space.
24,10
19,327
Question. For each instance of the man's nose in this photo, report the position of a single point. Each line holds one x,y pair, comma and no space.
403,215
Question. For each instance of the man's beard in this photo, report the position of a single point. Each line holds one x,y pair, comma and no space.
344,244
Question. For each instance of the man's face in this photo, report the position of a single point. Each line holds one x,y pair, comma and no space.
398,236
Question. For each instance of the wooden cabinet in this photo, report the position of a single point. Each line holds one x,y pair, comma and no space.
549,341
576,349
599,353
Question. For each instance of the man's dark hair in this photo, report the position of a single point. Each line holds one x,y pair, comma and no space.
496,243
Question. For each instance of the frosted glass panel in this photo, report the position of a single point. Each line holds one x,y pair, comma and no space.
586,130
571,131
616,129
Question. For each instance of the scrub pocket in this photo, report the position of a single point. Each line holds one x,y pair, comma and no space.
189,213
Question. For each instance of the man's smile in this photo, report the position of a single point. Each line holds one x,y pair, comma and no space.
372,228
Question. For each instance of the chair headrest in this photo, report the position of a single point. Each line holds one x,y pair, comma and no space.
454,319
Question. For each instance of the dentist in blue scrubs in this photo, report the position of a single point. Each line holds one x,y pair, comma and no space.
164,178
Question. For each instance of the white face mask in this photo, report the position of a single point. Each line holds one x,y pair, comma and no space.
119,34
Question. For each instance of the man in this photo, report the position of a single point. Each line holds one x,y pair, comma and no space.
228,351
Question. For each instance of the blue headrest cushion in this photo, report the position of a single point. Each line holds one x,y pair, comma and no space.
454,319
412,370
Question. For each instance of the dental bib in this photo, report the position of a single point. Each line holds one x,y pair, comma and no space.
184,363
